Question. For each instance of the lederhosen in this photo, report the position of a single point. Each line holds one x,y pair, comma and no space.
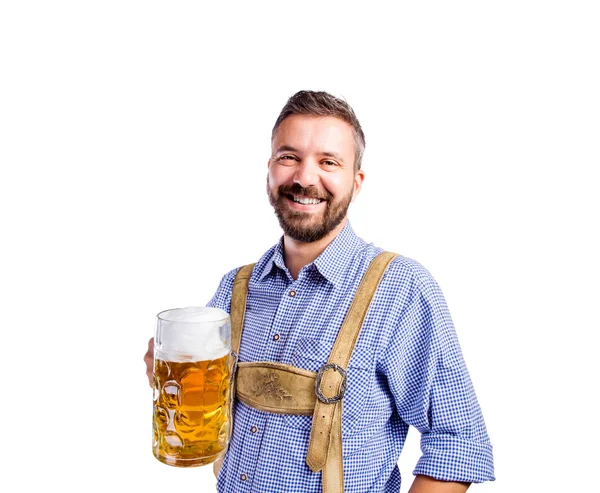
285,389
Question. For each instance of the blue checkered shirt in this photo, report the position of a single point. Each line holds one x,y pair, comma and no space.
406,370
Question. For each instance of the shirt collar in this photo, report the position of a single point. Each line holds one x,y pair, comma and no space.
274,259
332,264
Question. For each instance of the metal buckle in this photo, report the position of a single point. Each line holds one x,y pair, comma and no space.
320,395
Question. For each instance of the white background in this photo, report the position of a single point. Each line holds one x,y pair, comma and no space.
134,138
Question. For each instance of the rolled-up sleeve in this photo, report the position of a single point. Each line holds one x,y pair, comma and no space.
432,388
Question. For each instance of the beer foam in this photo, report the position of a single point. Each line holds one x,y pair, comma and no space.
193,334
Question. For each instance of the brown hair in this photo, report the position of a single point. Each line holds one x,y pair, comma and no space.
320,103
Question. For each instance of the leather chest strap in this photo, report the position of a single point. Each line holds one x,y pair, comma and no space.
325,446
276,388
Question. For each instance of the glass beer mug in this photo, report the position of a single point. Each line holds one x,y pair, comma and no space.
192,369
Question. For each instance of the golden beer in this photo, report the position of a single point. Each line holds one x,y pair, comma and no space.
191,410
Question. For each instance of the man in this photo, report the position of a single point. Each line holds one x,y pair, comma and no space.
406,367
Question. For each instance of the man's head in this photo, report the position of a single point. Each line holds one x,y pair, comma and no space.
314,170
320,103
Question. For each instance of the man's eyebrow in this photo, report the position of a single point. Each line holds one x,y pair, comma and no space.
333,155
285,148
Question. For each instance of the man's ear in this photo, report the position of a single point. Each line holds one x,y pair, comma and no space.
359,177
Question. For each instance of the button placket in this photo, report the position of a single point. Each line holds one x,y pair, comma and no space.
245,472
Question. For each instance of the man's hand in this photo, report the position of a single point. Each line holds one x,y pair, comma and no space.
425,484
149,360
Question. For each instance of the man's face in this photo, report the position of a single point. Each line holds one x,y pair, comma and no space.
311,179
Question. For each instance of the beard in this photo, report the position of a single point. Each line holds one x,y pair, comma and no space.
305,226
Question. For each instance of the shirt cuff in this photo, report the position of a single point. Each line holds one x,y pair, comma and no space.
451,458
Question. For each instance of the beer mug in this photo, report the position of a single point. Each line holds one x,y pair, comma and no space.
192,369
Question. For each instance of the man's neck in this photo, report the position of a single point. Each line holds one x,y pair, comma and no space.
297,254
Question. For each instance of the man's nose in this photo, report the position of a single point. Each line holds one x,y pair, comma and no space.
307,173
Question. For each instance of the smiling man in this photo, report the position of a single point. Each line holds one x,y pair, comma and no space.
313,177
351,344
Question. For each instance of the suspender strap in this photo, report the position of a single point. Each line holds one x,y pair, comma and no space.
280,388
238,306
236,319
325,446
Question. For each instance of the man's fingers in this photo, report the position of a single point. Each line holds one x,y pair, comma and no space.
217,466
149,360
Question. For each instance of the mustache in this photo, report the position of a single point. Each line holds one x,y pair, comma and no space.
310,192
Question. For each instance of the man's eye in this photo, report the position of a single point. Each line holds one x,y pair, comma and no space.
329,162
287,157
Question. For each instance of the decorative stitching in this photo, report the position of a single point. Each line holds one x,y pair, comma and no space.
269,386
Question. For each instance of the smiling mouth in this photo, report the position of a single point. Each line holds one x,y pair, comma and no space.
300,199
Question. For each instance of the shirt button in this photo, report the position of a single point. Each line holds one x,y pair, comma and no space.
292,293
243,477
276,337
254,429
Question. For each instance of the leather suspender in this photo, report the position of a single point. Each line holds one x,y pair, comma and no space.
238,306
280,388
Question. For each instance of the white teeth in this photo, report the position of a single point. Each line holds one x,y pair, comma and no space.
306,201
